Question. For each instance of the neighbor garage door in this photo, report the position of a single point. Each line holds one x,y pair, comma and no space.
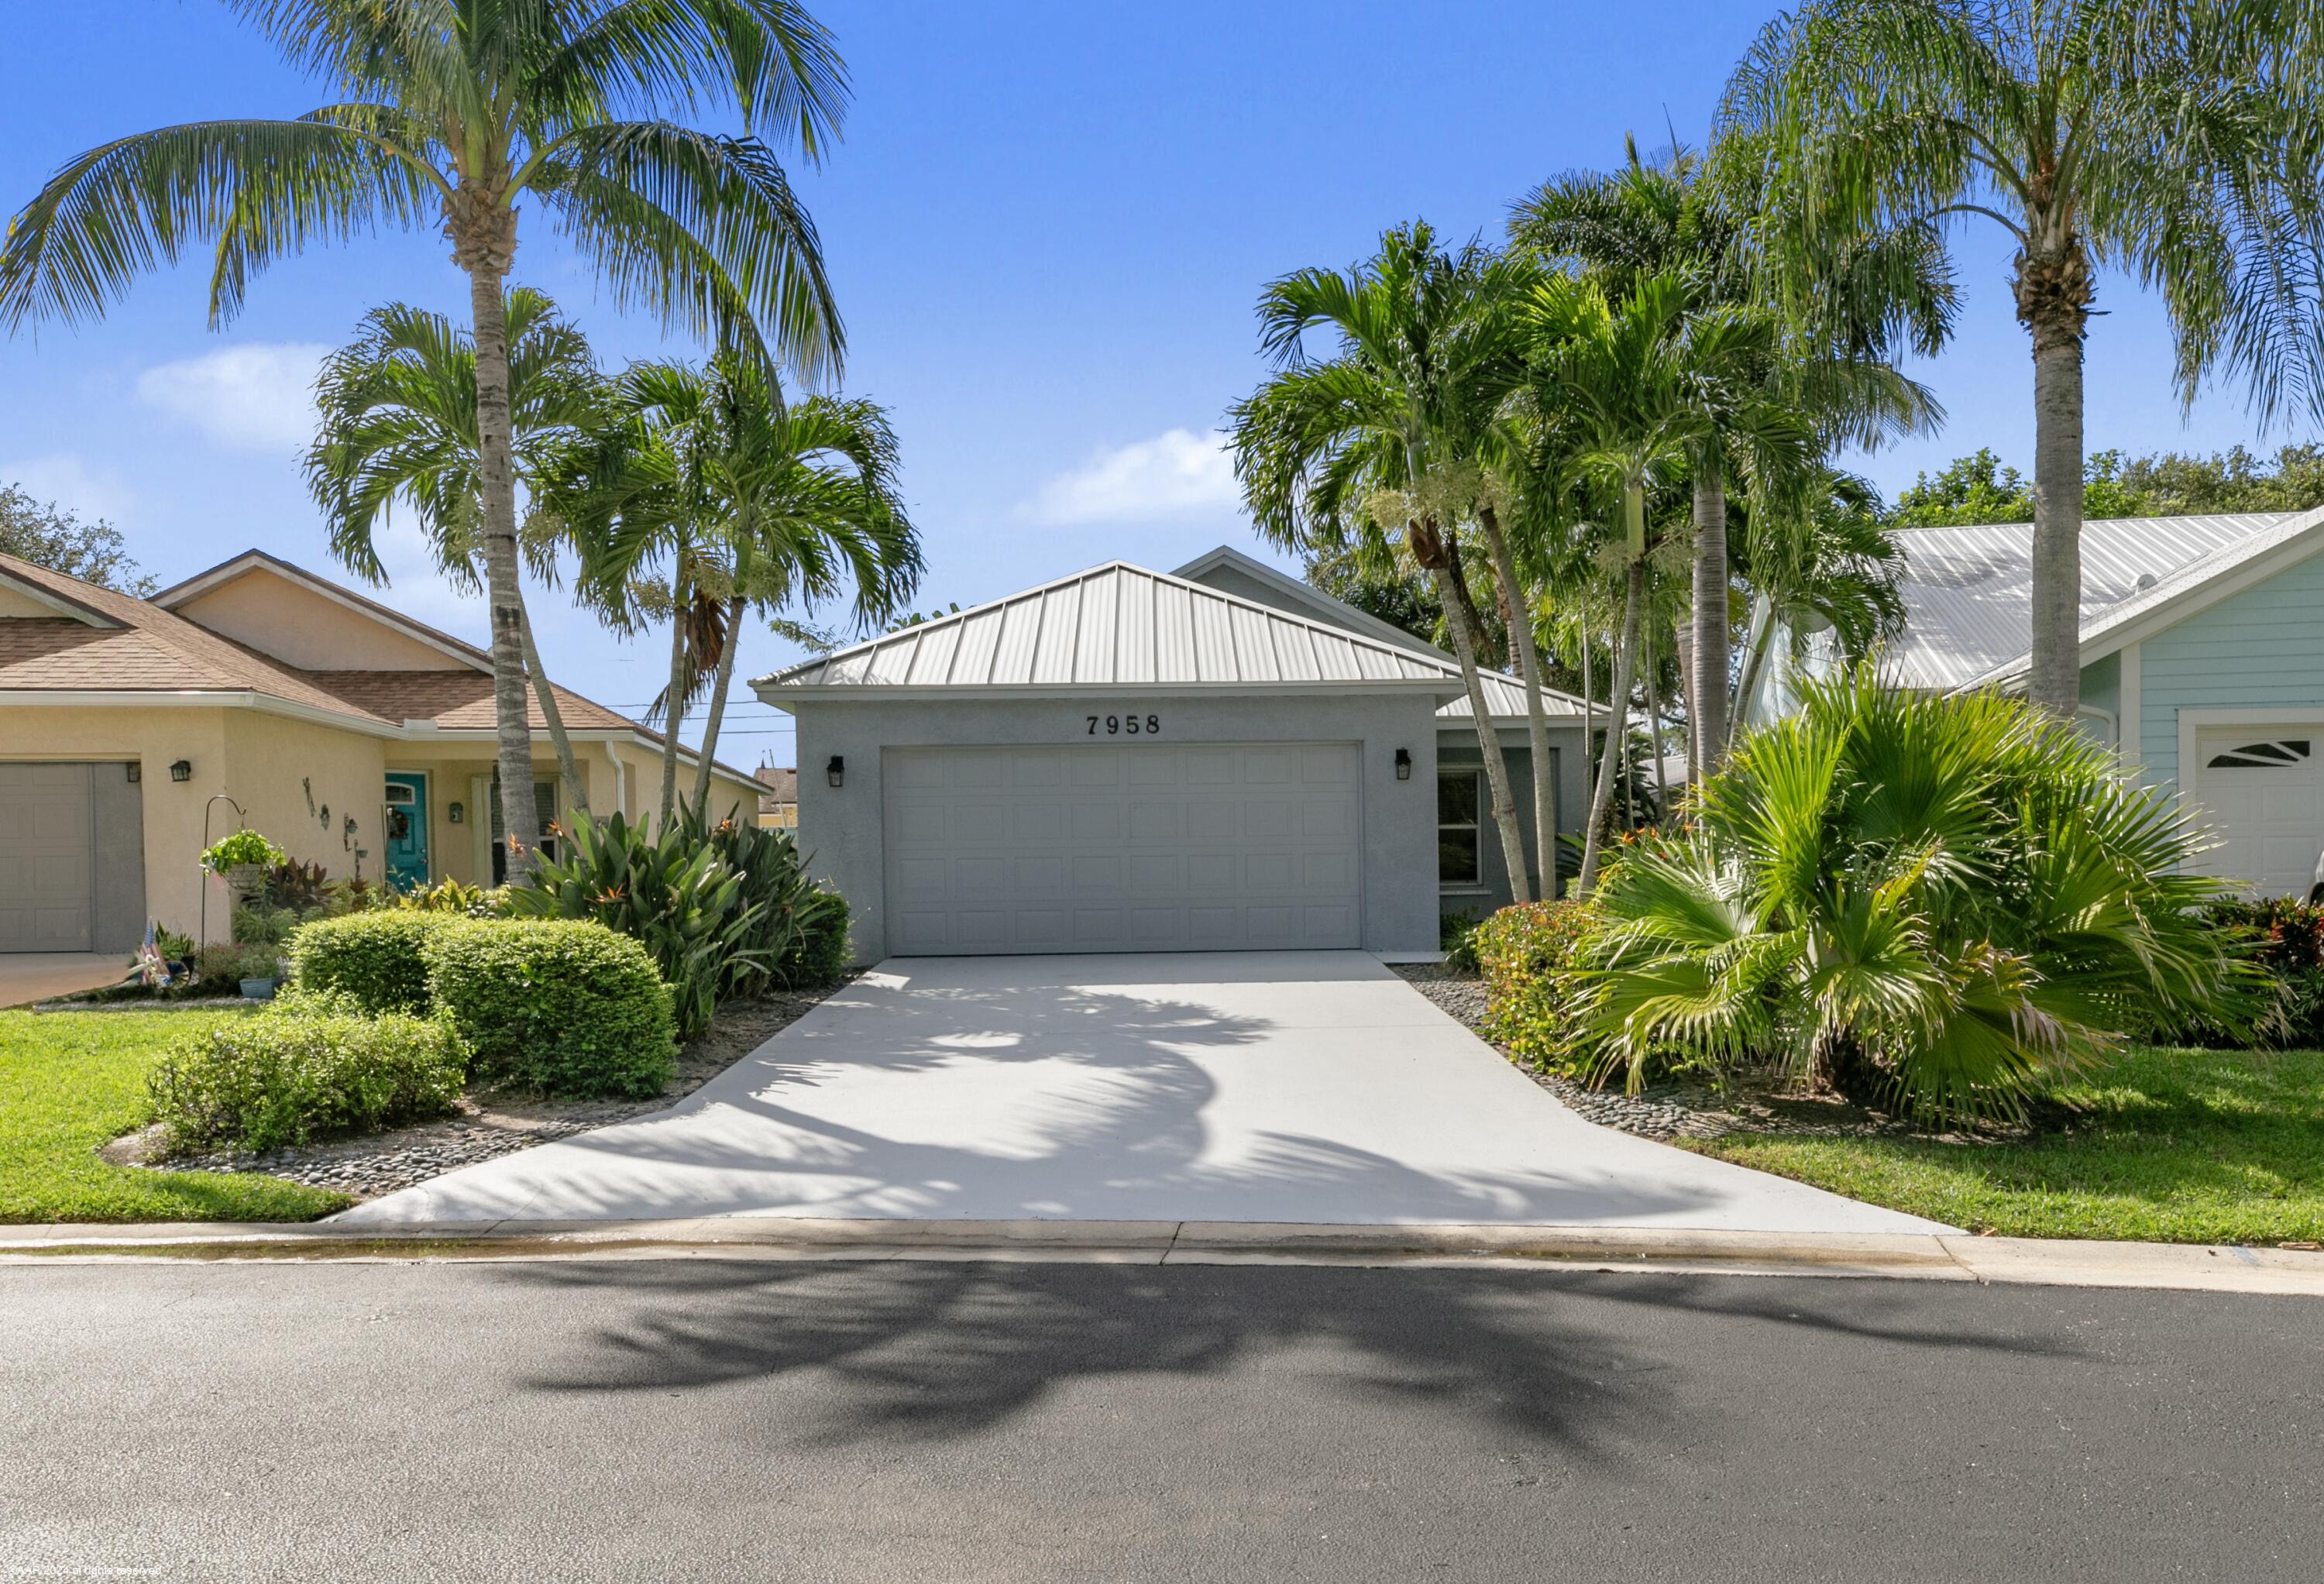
47,857
2265,791
1157,847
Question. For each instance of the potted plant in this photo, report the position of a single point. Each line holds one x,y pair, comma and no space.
244,858
260,972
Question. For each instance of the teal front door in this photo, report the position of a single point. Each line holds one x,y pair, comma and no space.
406,829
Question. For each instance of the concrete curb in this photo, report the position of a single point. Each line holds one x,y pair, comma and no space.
2200,1267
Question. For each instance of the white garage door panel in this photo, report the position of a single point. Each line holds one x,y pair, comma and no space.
48,876
1144,848
2265,790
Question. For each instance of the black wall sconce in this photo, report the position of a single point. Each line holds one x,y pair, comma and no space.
183,771
456,813
836,772
1404,764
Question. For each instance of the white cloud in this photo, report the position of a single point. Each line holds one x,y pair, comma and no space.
1172,474
255,397
74,485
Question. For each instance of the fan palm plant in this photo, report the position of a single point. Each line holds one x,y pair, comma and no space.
1386,438
398,408
2178,139
453,112
746,501
1942,900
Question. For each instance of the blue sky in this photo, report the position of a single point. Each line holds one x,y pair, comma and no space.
1047,226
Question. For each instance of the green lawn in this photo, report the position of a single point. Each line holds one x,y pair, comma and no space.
69,1082
2177,1146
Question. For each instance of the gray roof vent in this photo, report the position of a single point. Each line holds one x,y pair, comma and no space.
2145,581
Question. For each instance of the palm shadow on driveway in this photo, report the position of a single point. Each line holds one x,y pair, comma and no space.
912,1352
968,1102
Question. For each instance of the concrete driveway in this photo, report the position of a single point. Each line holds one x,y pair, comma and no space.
26,977
1307,1086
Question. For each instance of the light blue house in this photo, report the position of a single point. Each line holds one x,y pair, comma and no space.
2202,661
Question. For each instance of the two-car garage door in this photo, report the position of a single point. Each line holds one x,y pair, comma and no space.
1154,847
48,848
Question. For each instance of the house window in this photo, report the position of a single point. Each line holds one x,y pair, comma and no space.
2259,756
544,802
1458,800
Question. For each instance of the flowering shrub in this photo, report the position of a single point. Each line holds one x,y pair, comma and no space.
2285,942
1526,955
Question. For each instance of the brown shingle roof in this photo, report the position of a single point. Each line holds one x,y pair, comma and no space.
781,784
151,649
455,700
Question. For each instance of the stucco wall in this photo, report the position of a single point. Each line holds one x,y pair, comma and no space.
276,768
2261,648
171,812
276,616
841,828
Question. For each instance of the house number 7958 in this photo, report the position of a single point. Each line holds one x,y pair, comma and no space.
1126,725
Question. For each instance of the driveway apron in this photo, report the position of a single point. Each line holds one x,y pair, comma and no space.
1293,1086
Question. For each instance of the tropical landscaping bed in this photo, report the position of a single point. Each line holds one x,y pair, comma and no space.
423,1032
2166,1144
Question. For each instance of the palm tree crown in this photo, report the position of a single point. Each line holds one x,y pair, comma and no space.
2175,139
453,112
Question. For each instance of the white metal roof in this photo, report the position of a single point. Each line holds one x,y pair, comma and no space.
1119,626
1967,591
1505,697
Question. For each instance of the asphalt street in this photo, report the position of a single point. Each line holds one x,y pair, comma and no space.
924,1421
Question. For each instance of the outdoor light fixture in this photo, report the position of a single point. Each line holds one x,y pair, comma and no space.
836,772
136,771
1404,764
183,771
456,812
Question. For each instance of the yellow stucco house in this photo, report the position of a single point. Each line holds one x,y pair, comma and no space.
133,731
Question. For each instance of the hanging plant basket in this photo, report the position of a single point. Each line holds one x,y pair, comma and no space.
244,858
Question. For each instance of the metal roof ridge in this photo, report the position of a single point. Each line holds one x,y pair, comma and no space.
1232,601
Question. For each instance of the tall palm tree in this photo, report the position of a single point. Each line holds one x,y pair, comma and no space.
398,407
747,501
1388,438
451,113
1649,380
1831,358
2175,139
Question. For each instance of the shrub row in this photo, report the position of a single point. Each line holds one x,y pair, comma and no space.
296,1070
564,1007
1526,955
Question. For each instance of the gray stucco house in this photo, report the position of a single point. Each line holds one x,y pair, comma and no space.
2202,661
1215,759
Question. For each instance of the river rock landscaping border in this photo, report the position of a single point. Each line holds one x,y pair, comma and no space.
488,1125
1664,1111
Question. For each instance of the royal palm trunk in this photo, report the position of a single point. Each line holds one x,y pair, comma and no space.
725,677
1520,624
486,253
2054,680
568,769
1706,653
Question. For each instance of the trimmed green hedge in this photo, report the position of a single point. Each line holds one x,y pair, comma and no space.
564,1007
379,958
1526,955
285,1077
